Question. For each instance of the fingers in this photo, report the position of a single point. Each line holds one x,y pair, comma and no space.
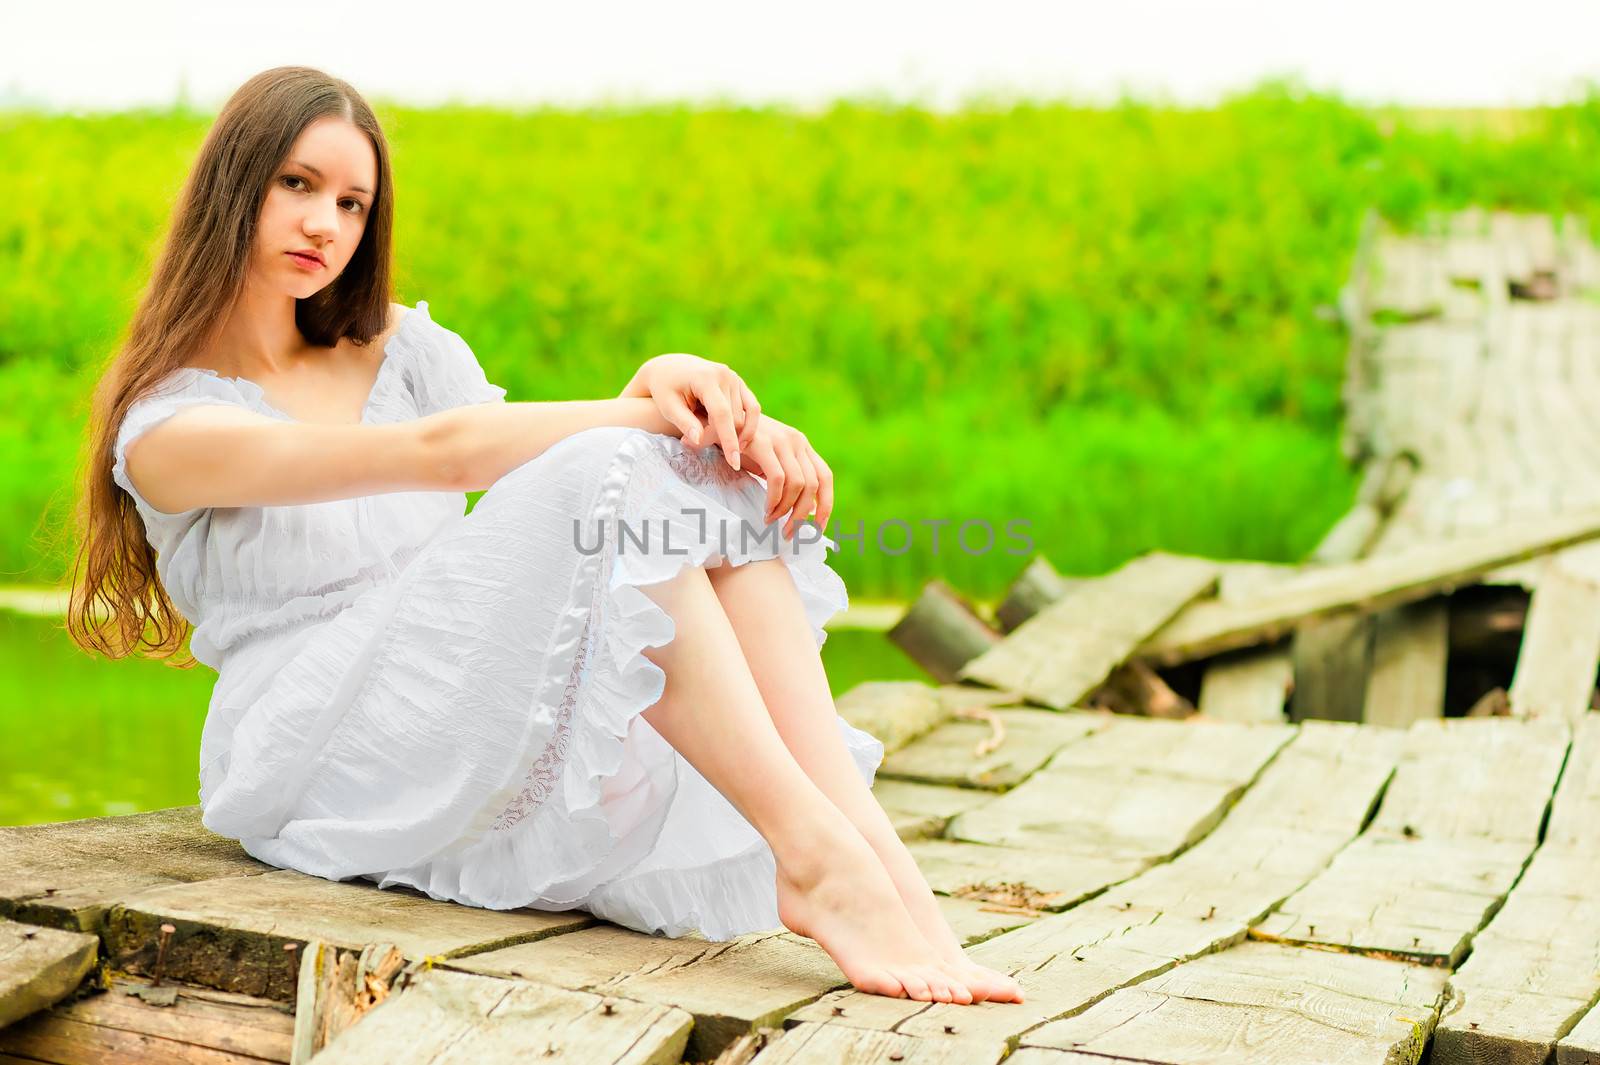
806,501
824,491
752,414
781,496
719,404
675,410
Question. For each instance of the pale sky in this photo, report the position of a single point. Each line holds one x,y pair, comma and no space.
109,54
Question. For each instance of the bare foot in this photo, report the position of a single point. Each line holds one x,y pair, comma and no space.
988,985
847,903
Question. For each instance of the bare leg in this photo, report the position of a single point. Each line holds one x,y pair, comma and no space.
762,602
831,887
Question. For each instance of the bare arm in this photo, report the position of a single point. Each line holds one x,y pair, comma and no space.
476,444
224,456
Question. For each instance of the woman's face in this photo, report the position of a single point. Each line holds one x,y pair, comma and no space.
316,205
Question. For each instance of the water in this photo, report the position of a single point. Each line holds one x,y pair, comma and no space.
81,736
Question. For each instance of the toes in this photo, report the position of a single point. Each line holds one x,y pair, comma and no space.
916,987
965,977
880,982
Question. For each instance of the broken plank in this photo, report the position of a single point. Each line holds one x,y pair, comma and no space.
1560,656
1247,686
1060,655
1366,586
942,631
1411,645
454,1018
1332,661
40,966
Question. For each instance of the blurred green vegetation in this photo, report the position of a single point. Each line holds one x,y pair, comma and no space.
1112,323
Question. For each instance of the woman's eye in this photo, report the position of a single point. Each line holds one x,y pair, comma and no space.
358,206
293,177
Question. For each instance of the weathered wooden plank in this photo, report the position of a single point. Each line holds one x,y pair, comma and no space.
455,1018
1332,661
1140,788
1371,584
235,939
1555,675
1248,686
1581,1046
729,988
947,754
942,631
921,811
1259,1002
1058,879
1534,970
1060,655
895,711
117,1028
1456,827
40,966
1306,805
821,1044
1411,645
68,873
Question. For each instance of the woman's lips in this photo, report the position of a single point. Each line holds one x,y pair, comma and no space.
305,262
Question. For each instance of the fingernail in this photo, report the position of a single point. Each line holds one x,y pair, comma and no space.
735,460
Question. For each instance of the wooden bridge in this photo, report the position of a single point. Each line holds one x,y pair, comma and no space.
1206,811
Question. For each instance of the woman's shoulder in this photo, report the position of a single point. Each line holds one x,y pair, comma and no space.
443,369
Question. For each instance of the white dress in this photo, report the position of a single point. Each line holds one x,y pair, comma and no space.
414,695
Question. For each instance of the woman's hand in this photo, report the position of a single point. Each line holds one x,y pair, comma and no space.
798,481
685,387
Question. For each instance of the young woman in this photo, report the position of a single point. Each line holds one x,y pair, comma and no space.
600,689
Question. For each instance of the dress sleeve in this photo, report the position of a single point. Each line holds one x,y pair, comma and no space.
193,389
446,373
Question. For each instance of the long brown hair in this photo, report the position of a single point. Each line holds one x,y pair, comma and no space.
117,601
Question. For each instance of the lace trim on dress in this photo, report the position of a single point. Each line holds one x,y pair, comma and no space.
546,769
701,467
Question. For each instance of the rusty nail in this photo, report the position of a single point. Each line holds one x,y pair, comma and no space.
1416,941
161,952
607,1007
1472,1024
1212,912
1311,929
838,1011
897,1056
949,1029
